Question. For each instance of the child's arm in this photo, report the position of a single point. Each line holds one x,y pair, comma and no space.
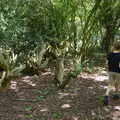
106,64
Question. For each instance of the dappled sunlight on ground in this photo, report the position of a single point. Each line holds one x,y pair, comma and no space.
103,86
28,80
47,73
44,110
13,85
80,100
62,95
115,113
101,78
93,76
66,106
75,118
117,107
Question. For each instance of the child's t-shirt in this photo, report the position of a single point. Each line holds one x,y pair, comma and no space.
113,62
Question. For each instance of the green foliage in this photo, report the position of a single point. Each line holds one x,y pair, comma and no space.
29,116
69,29
4,63
28,108
23,28
108,16
78,68
40,98
43,92
56,115
54,22
100,98
8,64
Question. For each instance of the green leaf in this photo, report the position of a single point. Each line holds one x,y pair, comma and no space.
28,108
56,115
29,116
40,98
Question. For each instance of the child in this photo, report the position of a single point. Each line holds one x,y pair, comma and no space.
113,71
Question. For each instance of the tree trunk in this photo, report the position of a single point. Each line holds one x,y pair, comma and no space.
108,38
59,71
41,53
2,78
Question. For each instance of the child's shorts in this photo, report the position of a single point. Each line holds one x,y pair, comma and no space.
114,78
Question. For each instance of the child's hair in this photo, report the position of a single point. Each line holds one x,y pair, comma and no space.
116,45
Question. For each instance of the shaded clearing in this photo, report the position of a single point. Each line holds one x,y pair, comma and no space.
36,98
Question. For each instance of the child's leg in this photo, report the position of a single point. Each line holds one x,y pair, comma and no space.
107,93
116,96
110,83
117,82
109,89
116,88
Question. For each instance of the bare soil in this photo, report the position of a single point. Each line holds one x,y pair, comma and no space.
37,98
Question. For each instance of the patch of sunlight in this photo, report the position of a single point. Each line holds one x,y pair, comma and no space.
104,86
66,106
62,95
47,73
117,108
87,76
93,113
101,78
90,88
44,110
13,85
116,115
96,77
75,118
27,79
103,72
106,109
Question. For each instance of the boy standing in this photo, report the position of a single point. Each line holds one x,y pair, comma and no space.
113,71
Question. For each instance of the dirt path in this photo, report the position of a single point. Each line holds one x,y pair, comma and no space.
36,98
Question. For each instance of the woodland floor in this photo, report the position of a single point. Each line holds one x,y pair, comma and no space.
36,98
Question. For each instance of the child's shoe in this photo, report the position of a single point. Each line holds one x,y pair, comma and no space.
106,100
